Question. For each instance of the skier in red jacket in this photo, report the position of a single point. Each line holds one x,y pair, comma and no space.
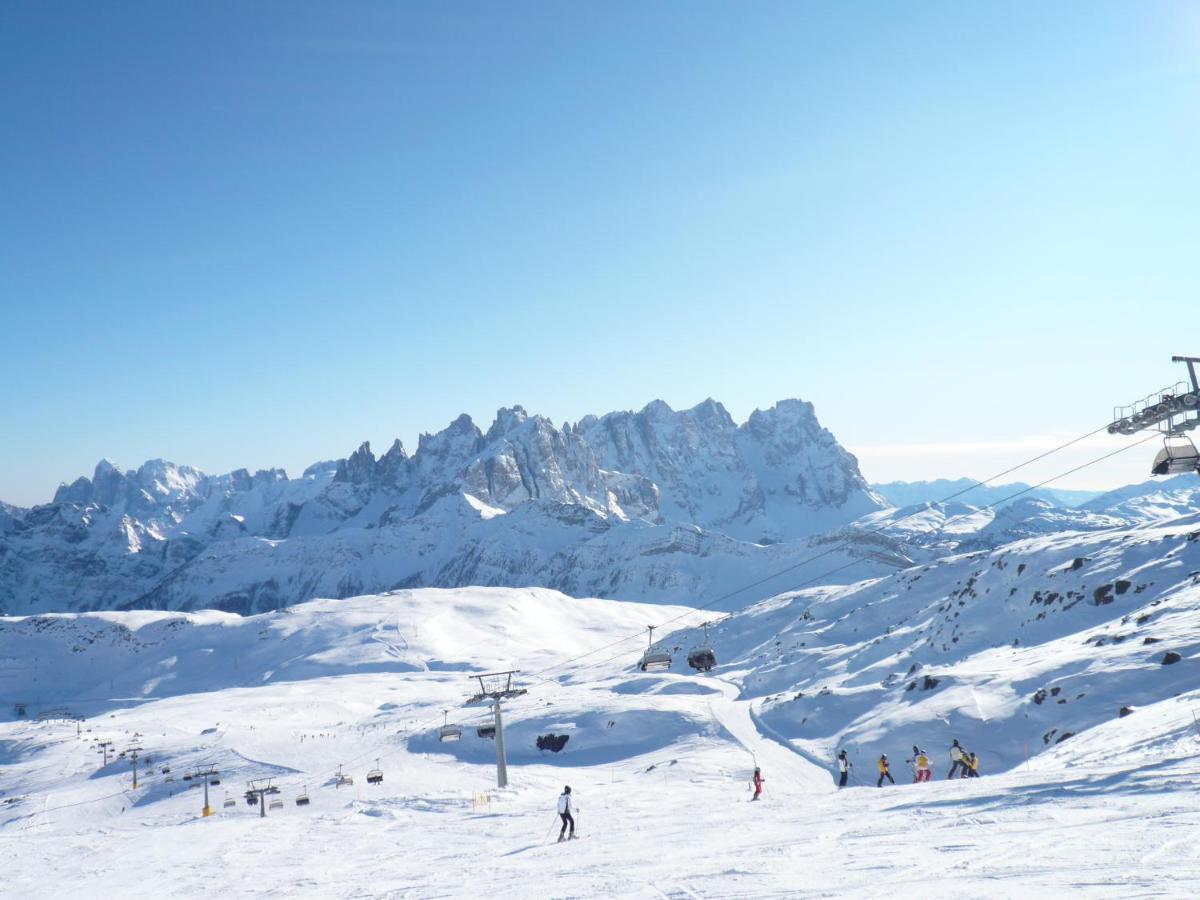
758,783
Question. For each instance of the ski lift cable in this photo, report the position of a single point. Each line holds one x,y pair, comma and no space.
840,568
421,726
845,541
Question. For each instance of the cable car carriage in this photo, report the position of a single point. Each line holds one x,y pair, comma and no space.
654,660
1177,456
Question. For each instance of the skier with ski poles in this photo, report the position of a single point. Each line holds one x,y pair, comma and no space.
758,783
844,766
884,771
566,806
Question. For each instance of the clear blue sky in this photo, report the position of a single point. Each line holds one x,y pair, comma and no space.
255,234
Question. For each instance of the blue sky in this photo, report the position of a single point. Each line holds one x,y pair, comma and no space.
257,234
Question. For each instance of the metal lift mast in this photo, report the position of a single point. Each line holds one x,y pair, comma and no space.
497,686
205,775
1172,410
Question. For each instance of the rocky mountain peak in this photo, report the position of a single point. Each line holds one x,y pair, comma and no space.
358,467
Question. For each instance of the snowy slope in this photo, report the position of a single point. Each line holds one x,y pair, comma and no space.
1012,650
524,503
658,763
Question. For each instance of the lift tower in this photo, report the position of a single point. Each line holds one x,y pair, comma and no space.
205,774
497,686
1172,411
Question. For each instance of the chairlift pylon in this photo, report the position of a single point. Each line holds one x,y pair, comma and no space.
654,660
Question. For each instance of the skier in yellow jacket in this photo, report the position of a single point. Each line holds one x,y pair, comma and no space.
883,771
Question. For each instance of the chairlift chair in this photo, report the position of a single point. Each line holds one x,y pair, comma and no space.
275,804
229,802
1177,456
448,732
486,731
654,660
341,780
375,776
214,782
702,658
302,800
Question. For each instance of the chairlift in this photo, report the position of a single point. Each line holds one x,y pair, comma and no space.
166,770
302,800
375,776
448,732
341,780
1177,456
215,781
229,802
251,798
187,777
275,804
486,731
654,660
702,658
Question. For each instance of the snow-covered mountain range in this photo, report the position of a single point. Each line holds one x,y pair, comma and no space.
658,504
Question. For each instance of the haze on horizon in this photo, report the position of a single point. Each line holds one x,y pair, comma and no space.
256,236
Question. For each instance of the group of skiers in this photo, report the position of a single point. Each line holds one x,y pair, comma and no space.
962,765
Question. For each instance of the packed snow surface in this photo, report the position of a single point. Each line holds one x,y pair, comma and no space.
659,763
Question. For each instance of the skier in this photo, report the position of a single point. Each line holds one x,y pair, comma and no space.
844,766
565,807
758,783
920,762
883,771
973,771
958,759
